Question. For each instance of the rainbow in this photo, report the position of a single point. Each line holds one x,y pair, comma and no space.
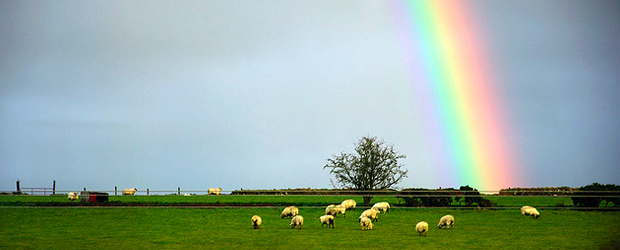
453,90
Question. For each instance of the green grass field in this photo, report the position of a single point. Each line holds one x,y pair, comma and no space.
229,228
299,200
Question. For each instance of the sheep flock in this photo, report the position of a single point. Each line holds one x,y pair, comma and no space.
368,216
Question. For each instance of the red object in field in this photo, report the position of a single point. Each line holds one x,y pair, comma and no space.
88,196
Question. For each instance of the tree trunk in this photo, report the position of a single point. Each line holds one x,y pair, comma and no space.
367,199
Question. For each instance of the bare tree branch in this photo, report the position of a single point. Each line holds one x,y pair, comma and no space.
373,166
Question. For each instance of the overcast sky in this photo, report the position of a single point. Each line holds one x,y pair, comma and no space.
258,94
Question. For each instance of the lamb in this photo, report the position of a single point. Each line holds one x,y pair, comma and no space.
382,206
73,196
529,211
335,210
256,221
128,191
365,223
289,212
371,213
349,204
297,221
422,228
215,191
447,221
327,219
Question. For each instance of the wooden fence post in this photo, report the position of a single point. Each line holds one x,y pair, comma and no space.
54,188
115,191
179,191
19,190
147,192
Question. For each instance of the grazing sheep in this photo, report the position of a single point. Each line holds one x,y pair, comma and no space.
335,210
382,206
349,204
529,211
128,191
297,221
256,221
215,191
327,219
446,221
371,213
365,223
289,212
422,228
187,194
73,196
329,208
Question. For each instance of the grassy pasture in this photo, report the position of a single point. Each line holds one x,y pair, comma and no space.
299,200
250,200
228,228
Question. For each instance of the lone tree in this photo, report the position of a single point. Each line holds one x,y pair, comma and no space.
374,165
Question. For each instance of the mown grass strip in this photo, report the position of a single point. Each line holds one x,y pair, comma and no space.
263,200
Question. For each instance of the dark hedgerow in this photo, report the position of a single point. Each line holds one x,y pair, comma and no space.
419,197
592,195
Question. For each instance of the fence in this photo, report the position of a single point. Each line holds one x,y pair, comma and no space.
341,192
38,190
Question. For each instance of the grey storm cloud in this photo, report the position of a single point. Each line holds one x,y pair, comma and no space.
258,95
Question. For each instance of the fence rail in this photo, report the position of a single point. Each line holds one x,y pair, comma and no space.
40,191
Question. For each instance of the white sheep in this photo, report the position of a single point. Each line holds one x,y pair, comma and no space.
342,209
446,221
297,221
335,210
422,228
128,191
382,206
327,219
187,194
256,221
365,223
289,212
349,204
73,196
215,191
329,208
370,213
529,211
